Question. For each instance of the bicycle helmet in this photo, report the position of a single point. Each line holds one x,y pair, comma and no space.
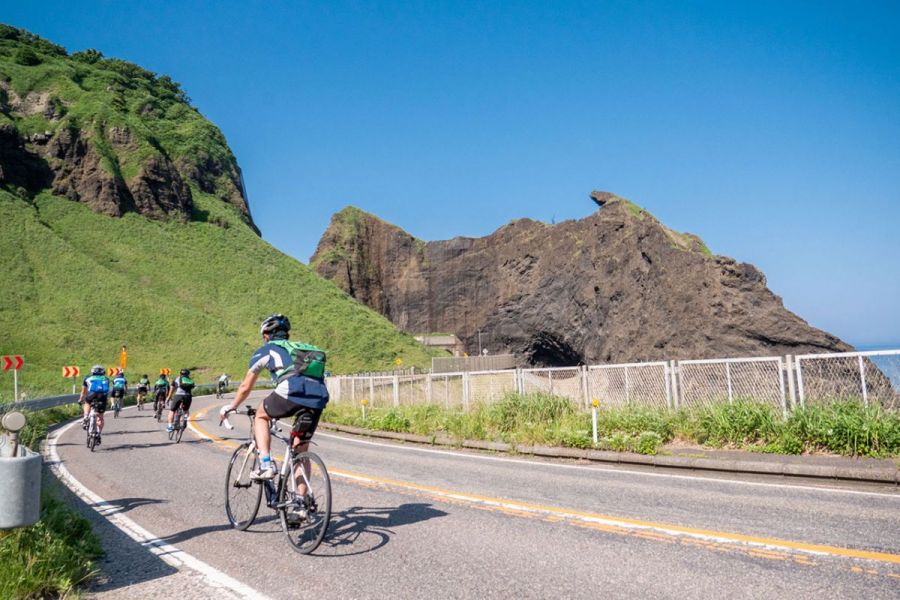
275,323
98,370
185,373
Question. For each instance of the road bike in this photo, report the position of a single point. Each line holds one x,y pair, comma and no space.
93,430
179,424
300,493
139,399
158,406
116,406
220,391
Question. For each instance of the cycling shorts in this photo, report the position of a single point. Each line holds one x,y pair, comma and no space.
183,401
97,400
142,389
117,393
306,419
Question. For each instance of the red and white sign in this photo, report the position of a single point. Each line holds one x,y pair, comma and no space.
14,362
70,371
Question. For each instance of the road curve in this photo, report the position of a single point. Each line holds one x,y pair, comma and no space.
414,522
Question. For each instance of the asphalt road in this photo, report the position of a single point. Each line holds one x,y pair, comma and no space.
415,522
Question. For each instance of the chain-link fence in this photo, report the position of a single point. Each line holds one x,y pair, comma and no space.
708,382
643,384
867,377
782,382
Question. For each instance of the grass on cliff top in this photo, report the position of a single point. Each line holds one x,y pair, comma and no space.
77,285
845,428
94,93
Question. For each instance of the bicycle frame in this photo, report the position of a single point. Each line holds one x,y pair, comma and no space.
287,465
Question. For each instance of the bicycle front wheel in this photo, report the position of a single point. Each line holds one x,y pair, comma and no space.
242,494
180,430
305,513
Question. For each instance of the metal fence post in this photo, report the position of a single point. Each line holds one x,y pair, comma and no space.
585,389
465,391
428,390
789,372
784,410
679,385
800,381
353,389
862,380
550,378
371,389
667,381
396,383
627,395
728,380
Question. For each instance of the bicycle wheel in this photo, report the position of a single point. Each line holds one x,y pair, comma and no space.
242,495
305,517
92,435
180,430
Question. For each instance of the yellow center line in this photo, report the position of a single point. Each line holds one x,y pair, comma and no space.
586,516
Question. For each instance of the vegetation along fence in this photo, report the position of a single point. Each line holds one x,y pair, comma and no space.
872,378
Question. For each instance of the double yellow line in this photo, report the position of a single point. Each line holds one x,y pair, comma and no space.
600,521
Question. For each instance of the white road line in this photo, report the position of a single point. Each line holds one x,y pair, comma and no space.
170,554
611,470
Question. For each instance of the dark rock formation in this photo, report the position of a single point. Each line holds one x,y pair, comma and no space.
616,286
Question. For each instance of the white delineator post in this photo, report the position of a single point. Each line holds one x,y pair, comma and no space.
594,404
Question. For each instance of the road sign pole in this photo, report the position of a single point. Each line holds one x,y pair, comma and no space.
15,385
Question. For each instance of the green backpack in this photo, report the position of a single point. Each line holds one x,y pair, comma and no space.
308,360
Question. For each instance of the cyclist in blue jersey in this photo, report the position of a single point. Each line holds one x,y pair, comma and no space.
94,392
298,372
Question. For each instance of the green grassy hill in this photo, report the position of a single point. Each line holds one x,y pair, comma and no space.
179,291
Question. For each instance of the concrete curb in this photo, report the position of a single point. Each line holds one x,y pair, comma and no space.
845,472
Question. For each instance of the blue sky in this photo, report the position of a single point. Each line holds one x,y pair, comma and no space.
770,129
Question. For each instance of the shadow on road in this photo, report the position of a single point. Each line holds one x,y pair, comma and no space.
149,445
125,504
359,530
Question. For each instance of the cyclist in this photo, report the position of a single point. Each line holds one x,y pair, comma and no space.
119,385
94,392
160,392
300,391
143,387
222,383
182,392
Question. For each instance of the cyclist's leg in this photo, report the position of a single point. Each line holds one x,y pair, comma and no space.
305,423
186,405
100,408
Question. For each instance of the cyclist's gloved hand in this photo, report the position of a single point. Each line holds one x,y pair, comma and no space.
223,416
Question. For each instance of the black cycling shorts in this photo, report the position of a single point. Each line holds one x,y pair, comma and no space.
97,400
118,393
306,419
142,389
184,401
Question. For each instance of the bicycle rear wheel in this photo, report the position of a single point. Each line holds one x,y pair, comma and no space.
305,517
242,494
181,426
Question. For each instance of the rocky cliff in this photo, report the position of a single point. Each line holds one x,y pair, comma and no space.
616,286
109,134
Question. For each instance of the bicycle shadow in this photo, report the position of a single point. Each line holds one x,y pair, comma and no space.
121,505
360,530
137,446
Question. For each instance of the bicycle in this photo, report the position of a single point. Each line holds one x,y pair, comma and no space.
303,507
158,407
93,432
179,424
117,406
220,391
139,399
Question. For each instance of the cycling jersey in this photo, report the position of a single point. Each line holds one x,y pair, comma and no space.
184,386
119,382
303,390
143,384
96,384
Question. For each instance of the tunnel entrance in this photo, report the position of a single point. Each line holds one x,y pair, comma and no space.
547,349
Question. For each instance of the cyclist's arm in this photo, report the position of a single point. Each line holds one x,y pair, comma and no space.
245,388
83,391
